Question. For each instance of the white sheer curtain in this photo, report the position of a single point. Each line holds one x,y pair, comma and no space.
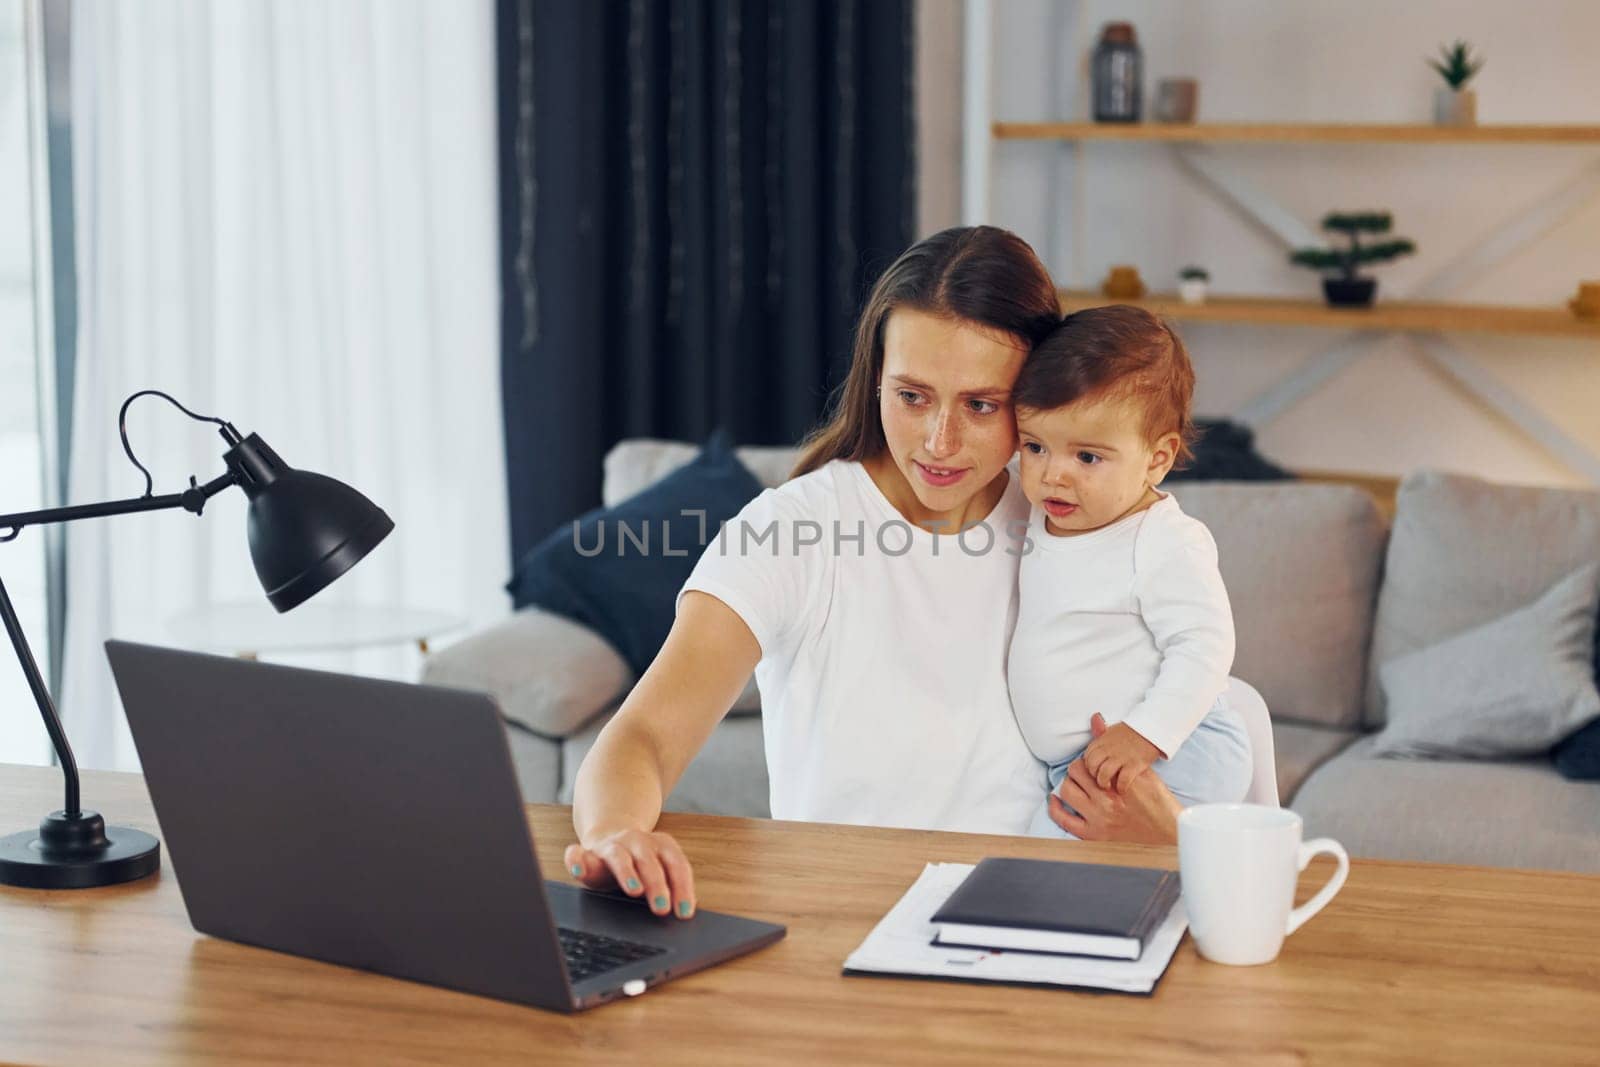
286,216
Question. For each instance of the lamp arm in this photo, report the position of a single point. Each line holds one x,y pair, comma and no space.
192,499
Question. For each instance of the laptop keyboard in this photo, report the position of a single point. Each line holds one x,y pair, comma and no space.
591,954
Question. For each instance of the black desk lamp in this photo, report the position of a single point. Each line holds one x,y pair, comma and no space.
305,531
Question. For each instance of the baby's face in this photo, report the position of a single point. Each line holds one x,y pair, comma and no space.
1088,464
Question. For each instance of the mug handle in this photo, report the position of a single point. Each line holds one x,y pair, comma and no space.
1322,846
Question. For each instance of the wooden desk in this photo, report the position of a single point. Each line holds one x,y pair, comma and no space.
1410,963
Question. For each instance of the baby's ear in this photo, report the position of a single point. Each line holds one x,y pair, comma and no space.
1163,455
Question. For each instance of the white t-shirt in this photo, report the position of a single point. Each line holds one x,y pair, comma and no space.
883,667
1131,620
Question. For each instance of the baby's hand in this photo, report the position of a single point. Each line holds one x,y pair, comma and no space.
1118,756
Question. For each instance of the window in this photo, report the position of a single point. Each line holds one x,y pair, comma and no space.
22,562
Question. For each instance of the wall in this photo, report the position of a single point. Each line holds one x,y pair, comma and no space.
938,76
1356,61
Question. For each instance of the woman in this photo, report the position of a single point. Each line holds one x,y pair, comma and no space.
873,595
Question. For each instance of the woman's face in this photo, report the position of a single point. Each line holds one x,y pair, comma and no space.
945,401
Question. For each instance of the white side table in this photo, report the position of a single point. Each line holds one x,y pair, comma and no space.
250,629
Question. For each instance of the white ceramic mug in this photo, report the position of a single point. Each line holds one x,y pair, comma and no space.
1239,864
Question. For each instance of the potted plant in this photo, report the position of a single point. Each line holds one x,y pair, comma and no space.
1453,103
1347,288
1192,285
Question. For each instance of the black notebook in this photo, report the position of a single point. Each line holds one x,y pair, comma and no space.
1081,909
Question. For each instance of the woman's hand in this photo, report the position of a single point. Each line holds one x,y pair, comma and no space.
643,864
642,752
1146,814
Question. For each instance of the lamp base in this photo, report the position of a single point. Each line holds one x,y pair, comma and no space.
78,852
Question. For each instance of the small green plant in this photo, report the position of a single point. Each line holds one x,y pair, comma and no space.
1194,274
1346,261
1456,64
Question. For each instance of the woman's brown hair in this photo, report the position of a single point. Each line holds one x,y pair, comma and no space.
979,274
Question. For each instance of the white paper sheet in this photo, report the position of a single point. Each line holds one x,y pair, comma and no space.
902,944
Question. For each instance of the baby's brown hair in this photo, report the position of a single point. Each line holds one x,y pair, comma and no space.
1118,352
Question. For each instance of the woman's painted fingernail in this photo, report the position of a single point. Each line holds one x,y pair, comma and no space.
684,908
633,885
577,870
661,903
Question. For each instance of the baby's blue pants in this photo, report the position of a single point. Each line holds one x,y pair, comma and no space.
1213,766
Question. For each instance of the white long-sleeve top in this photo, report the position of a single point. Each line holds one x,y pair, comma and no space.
1131,621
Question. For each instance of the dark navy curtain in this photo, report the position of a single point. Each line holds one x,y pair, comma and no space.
695,198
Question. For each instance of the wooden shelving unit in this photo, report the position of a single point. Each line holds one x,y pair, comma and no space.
1397,315
1429,319
1288,133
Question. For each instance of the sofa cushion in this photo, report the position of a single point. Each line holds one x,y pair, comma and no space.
618,570
728,776
537,761
1465,552
1511,687
1301,563
548,673
1500,814
633,465
1302,749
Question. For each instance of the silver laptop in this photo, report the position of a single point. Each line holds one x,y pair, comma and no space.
379,825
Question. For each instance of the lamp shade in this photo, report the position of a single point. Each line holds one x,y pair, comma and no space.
305,529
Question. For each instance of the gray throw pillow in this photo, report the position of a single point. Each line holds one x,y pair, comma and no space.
547,672
1511,687
1465,552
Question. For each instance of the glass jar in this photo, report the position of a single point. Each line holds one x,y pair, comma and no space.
1117,74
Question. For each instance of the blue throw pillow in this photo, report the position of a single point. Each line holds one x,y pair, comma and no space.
1226,451
1579,755
618,570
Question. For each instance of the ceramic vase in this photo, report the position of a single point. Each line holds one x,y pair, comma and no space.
1455,107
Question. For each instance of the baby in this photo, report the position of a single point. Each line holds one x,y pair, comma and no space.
1122,611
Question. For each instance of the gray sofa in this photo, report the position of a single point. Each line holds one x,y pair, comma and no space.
1323,589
